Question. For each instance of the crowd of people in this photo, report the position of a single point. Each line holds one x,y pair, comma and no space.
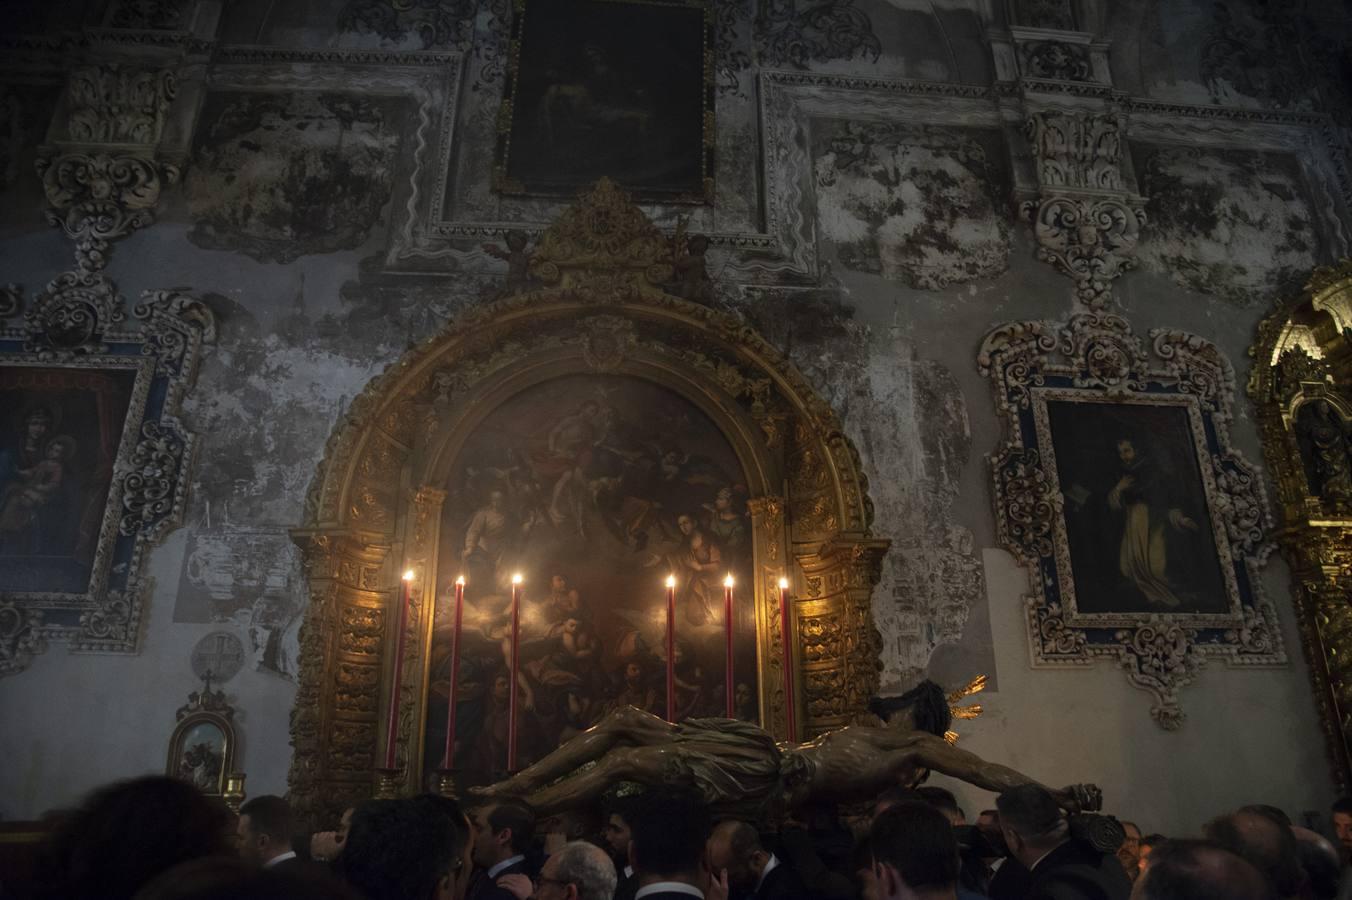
157,838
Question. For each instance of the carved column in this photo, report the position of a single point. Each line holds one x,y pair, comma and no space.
334,724
422,530
840,645
1301,368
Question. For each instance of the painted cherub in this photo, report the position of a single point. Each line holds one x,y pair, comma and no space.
517,258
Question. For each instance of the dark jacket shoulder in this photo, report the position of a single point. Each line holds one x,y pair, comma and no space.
1076,871
782,883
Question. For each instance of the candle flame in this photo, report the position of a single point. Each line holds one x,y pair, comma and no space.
727,582
408,576
460,580
783,584
516,579
671,581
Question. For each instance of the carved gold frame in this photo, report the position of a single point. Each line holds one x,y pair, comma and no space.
1302,354
374,508
1096,358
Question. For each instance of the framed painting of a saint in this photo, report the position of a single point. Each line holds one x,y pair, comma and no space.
593,488
93,461
1142,529
609,88
60,433
1139,531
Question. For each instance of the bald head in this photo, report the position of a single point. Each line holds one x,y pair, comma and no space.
736,846
1198,870
585,866
1264,842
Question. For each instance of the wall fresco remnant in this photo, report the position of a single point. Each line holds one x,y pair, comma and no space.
1236,224
279,176
916,204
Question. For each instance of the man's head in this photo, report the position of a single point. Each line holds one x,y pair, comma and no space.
945,802
914,851
685,523
1129,854
1264,842
1198,870
558,584
577,871
619,812
502,830
1031,822
1319,858
411,847
264,829
1342,824
667,835
1126,451
736,846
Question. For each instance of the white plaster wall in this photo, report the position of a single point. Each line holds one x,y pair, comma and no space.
74,722
1249,736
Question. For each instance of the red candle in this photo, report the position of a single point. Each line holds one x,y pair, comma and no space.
511,689
392,725
786,628
671,648
449,758
727,619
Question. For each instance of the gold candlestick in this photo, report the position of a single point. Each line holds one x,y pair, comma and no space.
386,783
234,795
446,783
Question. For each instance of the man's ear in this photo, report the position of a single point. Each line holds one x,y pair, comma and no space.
504,837
446,886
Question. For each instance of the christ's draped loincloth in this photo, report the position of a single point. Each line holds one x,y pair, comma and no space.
734,765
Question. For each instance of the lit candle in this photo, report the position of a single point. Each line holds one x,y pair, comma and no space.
511,689
448,759
787,629
671,648
392,724
727,619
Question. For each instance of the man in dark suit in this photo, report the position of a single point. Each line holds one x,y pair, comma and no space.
915,853
502,835
666,846
753,872
619,810
1059,868
264,832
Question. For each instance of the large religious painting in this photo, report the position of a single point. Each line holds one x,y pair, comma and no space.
1140,533
609,88
60,430
593,488
1142,529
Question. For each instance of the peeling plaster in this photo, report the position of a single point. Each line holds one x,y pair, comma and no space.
913,204
1236,224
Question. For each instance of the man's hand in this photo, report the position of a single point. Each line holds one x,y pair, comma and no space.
1180,521
518,886
718,886
325,845
1080,798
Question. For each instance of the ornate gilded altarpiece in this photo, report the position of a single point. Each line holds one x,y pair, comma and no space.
1117,487
1301,386
594,307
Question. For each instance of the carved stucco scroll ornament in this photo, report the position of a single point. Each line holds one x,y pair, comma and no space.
1085,222
596,302
1301,387
1091,360
74,333
100,174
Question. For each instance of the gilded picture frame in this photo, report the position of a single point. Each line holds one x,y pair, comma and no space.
1143,530
621,89
92,436
203,744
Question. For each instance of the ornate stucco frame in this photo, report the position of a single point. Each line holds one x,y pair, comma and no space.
76,323
1301,355
1095,358
374,508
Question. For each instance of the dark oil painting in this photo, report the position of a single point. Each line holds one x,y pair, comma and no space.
59,434
1137,520
594,488
607,88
